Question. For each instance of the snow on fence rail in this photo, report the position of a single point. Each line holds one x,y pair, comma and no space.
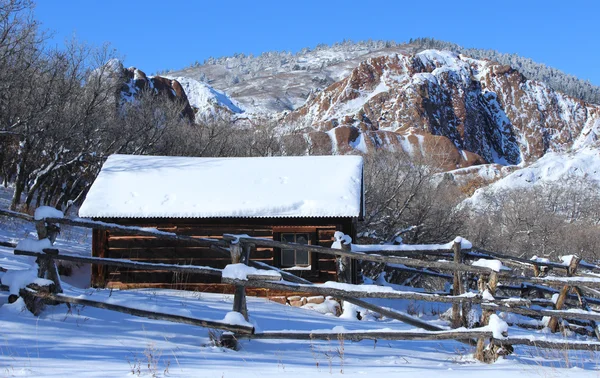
239,247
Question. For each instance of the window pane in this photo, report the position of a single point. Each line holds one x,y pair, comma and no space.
301,257
287,257
287,238
302,238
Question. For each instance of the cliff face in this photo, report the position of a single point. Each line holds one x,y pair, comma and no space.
135,80
465,111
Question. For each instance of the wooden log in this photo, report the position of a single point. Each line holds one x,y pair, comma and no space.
550,290
405,318
573,265
367,335
488,355
553,323
285,275
14,214
239,255
137,231
479,253
446,253
425,272
127,263
548,344
572,269
344,264
262,277
8,244
560,281
317,289
52,273
457,287
584,306
383,311
566,314
146,314
372,256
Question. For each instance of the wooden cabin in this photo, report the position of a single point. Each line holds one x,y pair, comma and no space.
293,199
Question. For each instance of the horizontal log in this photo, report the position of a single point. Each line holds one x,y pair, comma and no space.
146,314
284,274
172,252
425,272
8,244
262,277
572,297
383,311
405,318
548,344
372,256
562,281
133,230
366,335
151,276
586,315
482,253
125,263
341,293
414,254
218,232
14,214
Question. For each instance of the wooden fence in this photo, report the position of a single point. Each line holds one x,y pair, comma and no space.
575,288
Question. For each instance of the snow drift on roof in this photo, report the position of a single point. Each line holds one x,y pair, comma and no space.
131,186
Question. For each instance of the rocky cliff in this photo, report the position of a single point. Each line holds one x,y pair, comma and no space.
435,102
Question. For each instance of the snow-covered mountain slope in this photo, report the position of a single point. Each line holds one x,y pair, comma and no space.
552,167
480,106
276,82
207,102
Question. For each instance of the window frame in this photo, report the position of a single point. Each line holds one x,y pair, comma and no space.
282,250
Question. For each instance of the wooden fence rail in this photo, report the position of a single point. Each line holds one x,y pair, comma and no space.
238,329
239,249
122,263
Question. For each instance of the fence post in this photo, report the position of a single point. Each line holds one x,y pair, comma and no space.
562,297
344,265
480,352
52,271
457,286
240,254
47,265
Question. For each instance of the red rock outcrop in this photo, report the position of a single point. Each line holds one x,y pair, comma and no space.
472,111
135,80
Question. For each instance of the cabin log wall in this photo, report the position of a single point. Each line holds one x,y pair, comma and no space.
148,249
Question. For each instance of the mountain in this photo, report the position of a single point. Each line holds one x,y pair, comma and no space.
280,81
458,110
481,107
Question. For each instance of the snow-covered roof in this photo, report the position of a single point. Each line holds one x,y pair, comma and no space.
130,186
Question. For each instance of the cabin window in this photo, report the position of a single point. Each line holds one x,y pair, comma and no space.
294,257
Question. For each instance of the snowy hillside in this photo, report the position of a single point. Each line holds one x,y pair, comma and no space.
438,105
552,167
207,102
277,82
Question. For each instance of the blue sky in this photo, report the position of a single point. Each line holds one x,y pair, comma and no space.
154,35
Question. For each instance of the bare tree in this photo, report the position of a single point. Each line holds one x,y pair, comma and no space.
406,198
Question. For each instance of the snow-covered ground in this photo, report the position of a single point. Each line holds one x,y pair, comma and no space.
90,342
